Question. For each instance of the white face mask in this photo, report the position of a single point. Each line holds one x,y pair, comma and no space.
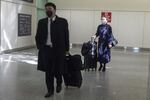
104,20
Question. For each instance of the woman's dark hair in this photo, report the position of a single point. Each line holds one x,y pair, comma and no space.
50,4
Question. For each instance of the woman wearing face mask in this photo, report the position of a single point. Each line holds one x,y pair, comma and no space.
104,34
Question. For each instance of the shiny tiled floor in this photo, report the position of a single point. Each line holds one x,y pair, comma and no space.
126,78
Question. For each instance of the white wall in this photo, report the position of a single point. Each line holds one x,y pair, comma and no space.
81,28
127,5
9,24
130,28
0,25
130,19
146,35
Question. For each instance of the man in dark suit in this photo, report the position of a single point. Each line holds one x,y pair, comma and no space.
52,40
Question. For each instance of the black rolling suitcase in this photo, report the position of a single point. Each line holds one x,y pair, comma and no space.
90,62
73,76
89,51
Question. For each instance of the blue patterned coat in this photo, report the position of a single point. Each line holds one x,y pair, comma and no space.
104,32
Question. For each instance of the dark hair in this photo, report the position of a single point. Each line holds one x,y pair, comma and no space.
50,4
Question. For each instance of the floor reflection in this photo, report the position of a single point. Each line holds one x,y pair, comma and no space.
127,78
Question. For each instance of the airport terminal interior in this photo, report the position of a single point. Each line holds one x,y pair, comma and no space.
127,76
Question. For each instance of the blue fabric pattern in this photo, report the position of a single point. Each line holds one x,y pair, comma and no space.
105,38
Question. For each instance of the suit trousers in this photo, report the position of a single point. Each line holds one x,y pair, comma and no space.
50,75
50,81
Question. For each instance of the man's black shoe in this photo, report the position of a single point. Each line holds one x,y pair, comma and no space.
49,94
58,89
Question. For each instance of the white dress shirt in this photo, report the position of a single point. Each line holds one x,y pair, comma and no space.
49,42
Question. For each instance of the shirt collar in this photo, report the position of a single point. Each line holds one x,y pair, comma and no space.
53,19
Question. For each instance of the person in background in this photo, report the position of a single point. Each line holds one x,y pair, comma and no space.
104,34
52,41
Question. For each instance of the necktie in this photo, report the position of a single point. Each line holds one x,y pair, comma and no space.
49,43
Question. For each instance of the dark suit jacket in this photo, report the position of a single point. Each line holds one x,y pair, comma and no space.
59,38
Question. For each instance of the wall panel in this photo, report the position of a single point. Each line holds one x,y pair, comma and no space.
146,35
130,29
81,26
9,24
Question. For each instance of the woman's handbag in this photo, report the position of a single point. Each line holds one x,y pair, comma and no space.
114,41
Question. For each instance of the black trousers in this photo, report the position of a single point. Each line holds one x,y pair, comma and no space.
50,81
52,71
